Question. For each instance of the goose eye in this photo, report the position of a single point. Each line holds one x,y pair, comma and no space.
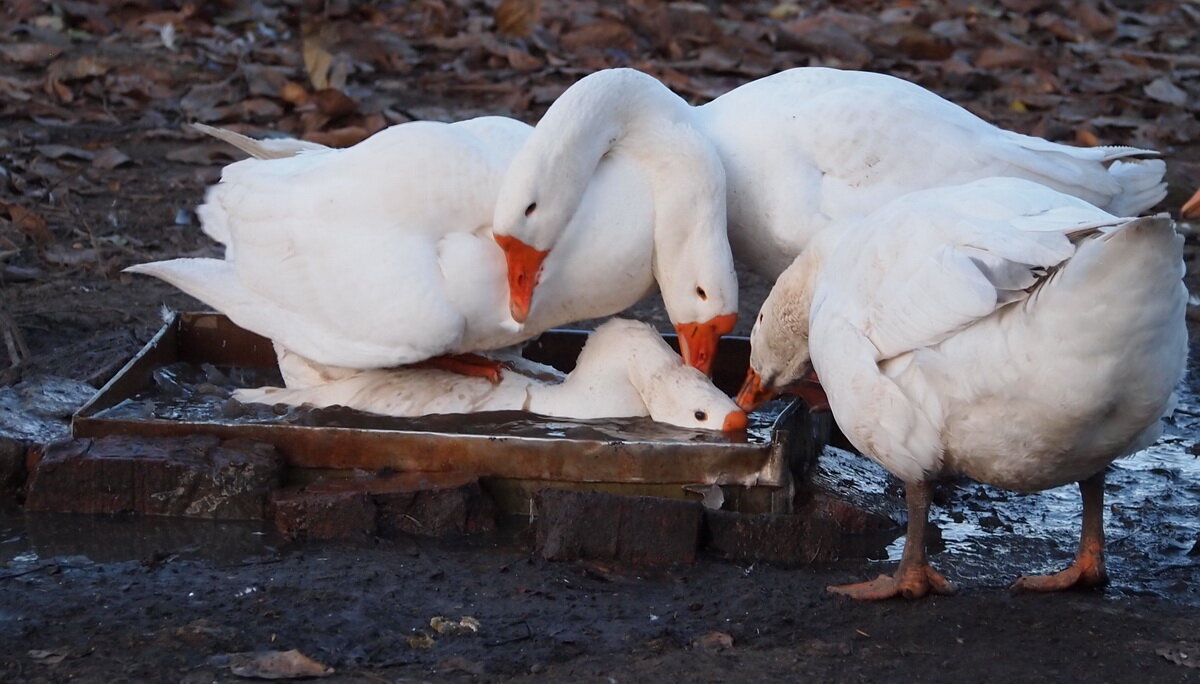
700,291
529,209
760,316
701,416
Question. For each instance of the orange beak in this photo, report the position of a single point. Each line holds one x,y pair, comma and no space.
752,395
736,421
524,271
698,341
1191,208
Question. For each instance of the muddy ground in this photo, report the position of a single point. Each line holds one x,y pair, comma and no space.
97,172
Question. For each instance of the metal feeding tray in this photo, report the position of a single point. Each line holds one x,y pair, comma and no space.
512,453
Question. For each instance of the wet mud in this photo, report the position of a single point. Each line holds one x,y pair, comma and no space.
145,599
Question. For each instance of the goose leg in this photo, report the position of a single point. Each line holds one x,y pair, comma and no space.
472,365
1087,570
915,577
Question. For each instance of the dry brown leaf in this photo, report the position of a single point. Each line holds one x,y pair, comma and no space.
61,255
338,137
516,18
521,60
206,154
334,103
110,158
29,53
1005,57
1086,138
76,69
1163,90
317,58
600,35
713,641
293,93
277,665
27,222
821,36
61,151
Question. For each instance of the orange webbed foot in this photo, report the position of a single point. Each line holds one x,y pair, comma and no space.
913,582
1083,573
471,365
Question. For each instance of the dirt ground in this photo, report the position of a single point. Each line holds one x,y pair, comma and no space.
98,171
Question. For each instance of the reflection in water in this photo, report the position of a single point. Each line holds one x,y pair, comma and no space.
201,393
32,537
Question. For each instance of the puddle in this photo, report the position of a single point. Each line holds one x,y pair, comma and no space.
991,536
188,392
27,539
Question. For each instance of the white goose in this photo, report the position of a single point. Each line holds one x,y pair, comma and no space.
381,254
624,370
999,330
801,149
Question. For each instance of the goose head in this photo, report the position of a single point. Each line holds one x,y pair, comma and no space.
625,112
779,352
672,392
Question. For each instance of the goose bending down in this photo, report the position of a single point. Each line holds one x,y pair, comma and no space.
999,330
624,370
381,254
802,149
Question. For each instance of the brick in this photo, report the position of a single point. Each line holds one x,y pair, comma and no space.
197,476
423,504
578,525
786,540
303,513
12,470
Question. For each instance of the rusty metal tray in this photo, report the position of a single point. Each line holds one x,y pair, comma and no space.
756,476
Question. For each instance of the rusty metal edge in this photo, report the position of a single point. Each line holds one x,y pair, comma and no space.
593,461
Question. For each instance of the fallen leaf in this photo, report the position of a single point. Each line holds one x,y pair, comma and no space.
110,158
29,53
516,18
76,69
277,665
338,137
61,255
204,153
600,35
444,625
420,641
293,93
47,657
1163,90
317,58
27,222
61,151
334,103
713,641
821,36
